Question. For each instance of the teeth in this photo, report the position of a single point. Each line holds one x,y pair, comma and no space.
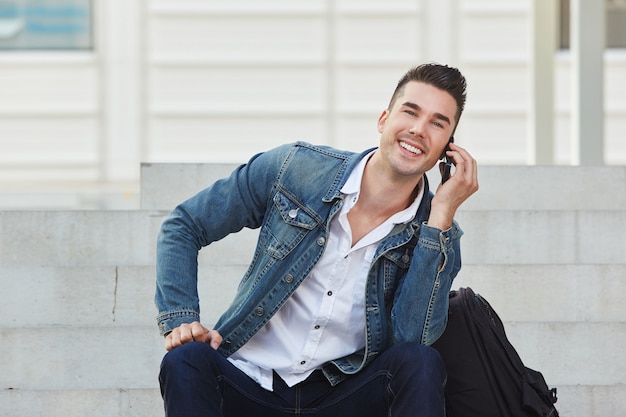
410,148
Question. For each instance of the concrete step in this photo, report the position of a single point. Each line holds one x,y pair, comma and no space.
128,357
81,403
550,293
80,357
588,353
78,238
97,238
544,245
163,186
100,296
94,327
543,237
79,195
549,188
112,296
573,401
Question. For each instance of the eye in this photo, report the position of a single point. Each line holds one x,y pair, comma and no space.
410,112
438,124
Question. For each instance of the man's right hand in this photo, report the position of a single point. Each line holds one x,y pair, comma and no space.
192,332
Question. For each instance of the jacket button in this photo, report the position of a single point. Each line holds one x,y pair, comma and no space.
321,240
259,311
288,278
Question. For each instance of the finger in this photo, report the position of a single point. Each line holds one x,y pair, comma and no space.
470,169
168,342
198,332
214,338
185,332
172,340
467,170
467,163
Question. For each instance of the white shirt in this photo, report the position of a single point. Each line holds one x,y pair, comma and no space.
328,306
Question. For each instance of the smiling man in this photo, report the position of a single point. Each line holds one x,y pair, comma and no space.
349,282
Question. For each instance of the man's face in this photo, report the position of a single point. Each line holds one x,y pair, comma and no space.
416,129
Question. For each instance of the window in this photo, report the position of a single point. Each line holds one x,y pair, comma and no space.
615,23
45,24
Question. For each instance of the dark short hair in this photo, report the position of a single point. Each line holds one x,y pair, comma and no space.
443,77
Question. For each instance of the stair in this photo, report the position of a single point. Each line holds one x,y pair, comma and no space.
545,246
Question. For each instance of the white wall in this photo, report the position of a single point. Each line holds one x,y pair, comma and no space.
214,81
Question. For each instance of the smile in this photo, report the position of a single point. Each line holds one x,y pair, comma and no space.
411,149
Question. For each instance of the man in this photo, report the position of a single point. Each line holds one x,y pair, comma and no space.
349,281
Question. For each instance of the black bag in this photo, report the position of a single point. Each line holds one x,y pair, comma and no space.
486,377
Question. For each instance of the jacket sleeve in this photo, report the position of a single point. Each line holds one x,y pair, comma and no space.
225,207
436,262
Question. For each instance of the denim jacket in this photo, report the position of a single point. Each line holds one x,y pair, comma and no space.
292,192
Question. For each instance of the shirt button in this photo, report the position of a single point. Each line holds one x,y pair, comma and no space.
317,326
302,362
329,293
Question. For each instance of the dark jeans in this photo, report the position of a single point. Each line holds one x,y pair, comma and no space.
407,380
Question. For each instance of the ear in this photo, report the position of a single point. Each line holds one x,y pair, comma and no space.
382,120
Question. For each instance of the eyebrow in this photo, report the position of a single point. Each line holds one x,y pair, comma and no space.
437,115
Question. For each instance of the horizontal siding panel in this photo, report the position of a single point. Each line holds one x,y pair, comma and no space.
227,139
40,174
493,139
284,7
615,86
191,111
366,88
41,88
508,89
494,8
238,89
236,38
238,7
562,84
360,38
615,142
483,38
562,140
357,133
48,141
615,109
387,8
283,63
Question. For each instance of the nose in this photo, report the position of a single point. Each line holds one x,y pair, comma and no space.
417,128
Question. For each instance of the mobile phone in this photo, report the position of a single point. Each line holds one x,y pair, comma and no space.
447,166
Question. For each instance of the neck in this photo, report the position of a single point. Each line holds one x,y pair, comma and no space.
385,194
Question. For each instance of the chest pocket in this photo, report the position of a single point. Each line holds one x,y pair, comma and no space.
395,266
286,226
